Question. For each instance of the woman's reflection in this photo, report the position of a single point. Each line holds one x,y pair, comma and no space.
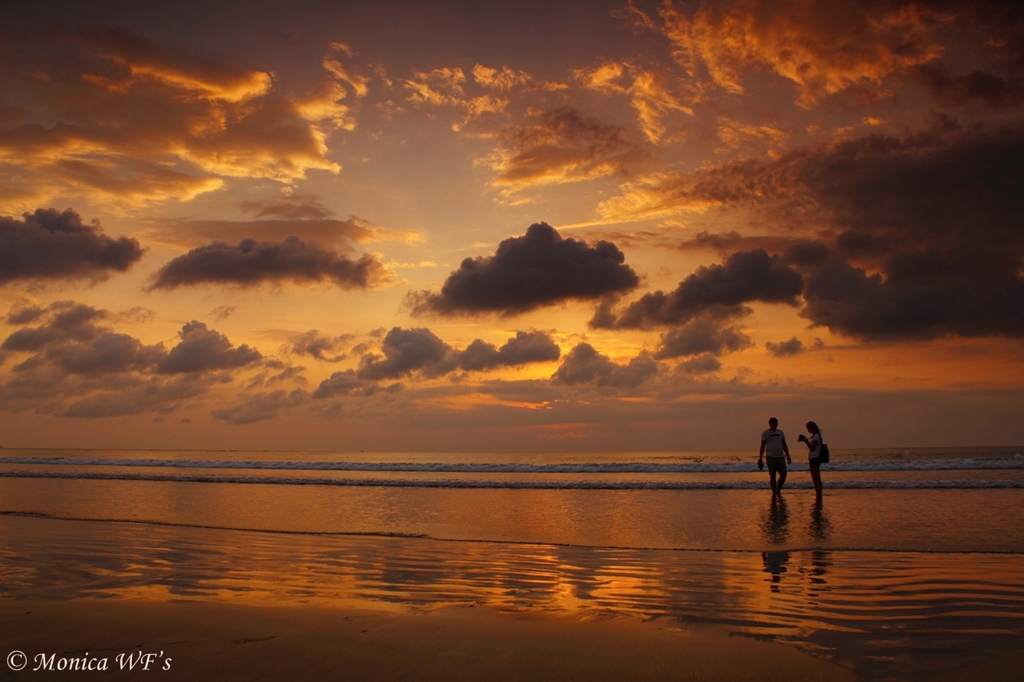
819,527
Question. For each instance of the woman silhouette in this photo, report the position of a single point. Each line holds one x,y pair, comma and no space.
813,452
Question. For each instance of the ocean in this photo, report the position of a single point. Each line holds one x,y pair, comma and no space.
913,563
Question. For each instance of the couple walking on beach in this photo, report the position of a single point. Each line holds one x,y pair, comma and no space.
775,449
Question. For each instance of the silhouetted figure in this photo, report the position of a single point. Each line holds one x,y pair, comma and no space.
774,447
813,452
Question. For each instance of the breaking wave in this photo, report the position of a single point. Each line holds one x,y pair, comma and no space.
963,464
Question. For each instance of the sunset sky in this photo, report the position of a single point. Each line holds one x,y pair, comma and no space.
519,226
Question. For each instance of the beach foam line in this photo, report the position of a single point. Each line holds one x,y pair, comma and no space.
960,464
940,484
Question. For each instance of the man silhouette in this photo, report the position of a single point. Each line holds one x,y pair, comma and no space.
773,445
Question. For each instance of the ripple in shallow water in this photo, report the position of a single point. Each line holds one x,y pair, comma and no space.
879,612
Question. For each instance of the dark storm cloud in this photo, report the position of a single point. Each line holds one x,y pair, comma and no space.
24,313
918,295
702,364
339,383
704,335
419,350
74,338
890,237
252,263
522,349
784,349
80,367
320,346
718,290
49,244
940,189
108,353
69,321
585,365
202,349
540,268
406,351
976,86
932,244
1000,83
480,355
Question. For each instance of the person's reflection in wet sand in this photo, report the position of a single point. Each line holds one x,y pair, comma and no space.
775,563
775,526
819,567
819,527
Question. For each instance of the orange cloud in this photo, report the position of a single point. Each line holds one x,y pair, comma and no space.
563,146
737,135
823,47
437,87
647,90
503,79
444,87
111,115
357,82
143,59
656,196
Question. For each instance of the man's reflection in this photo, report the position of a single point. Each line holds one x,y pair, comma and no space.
775,526
775,563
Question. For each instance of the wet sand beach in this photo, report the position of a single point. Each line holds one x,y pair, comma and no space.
252,578
229,604
211,641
